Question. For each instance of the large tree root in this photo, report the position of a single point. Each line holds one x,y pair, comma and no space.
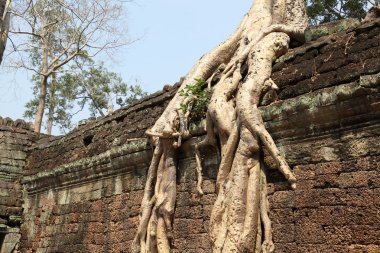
239,220
241,204
157,208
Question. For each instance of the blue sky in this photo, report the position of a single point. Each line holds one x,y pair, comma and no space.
173,34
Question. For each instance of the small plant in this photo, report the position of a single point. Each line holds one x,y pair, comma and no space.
198,98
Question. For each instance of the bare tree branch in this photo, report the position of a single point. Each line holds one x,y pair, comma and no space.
26,33
50,34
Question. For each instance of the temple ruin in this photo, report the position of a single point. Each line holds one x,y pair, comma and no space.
81,192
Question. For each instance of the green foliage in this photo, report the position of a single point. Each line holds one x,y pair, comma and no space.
104,89
55,26
85,87
198,98
322,11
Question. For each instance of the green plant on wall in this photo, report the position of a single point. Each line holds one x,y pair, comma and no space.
199,95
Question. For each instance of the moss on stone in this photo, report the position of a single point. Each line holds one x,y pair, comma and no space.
315,32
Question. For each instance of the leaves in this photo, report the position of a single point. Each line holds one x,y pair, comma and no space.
322,11
198,99
86,86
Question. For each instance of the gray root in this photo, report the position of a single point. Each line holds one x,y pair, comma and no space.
239,220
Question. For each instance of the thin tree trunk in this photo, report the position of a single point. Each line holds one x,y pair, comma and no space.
89,93
110,106
41,104
4,25
43,89
53,86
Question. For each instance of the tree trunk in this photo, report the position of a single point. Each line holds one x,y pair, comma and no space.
89,93
239,221
41,104
4,25
110,107
43,89
50,121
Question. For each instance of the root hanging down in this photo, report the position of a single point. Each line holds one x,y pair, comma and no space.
243,65
157,208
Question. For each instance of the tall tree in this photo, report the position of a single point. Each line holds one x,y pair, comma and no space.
57,31
242,64
321,11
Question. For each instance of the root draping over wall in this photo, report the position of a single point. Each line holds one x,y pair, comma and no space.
238,73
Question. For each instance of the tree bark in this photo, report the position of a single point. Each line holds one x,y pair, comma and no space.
43,88
50,121
4,25
41,104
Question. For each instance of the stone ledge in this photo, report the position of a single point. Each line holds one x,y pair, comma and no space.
284,119
122,159
315,32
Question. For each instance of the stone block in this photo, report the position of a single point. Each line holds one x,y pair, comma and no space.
308,233
188,226
365,234
281,216
185,212
282,199
356,179
283,233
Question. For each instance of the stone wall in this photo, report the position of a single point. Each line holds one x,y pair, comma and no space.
92,213
15,138
100,135
82,191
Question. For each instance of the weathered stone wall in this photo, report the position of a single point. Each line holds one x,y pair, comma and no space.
15,138
99,135
83,190
334,209
100,214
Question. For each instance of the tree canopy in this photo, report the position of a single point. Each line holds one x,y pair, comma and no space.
91,87
47,35
321,11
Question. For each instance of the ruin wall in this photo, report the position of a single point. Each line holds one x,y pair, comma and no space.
15,139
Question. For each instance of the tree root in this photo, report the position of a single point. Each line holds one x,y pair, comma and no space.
147,202
239,220
154,231
267,246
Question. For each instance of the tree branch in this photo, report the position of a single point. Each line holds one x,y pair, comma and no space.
26,33
335,12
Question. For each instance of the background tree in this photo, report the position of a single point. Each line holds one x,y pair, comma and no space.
103,89
89,86
321,11
59,107
48,34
